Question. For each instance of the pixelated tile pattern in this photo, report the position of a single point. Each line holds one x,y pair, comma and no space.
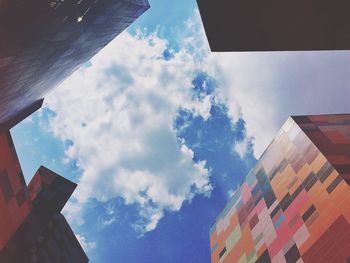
331,135
294,205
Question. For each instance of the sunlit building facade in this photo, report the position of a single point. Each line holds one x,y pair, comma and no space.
294,204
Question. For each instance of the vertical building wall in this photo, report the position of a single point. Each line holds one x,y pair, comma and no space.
294,205
49,192
14,199
331,134
273,25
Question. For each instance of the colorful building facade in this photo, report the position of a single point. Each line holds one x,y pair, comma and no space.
294,204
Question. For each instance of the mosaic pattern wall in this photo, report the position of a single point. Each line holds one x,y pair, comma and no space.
294,205
331,134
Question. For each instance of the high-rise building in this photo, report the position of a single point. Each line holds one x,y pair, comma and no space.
32,228
273,25
43,42
294,204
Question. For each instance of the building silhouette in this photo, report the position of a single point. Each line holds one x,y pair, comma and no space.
294,204
273,25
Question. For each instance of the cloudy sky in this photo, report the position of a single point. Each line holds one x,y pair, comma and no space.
158,131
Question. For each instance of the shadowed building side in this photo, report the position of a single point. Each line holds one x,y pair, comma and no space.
273,25
330,133
44,241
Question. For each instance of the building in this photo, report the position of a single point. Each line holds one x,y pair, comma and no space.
43,42
32,228
272,25
294,204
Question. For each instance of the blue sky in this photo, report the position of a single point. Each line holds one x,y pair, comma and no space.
158,132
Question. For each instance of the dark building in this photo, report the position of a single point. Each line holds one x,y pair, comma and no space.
294,205
32,228
15,204
43,41
274,25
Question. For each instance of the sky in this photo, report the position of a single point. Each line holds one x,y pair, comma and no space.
158,132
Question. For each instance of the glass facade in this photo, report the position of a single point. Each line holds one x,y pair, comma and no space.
294,204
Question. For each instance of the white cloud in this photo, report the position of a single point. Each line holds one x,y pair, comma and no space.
153,215
110,216
119,115
242,147
265,88
270,86
85,244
